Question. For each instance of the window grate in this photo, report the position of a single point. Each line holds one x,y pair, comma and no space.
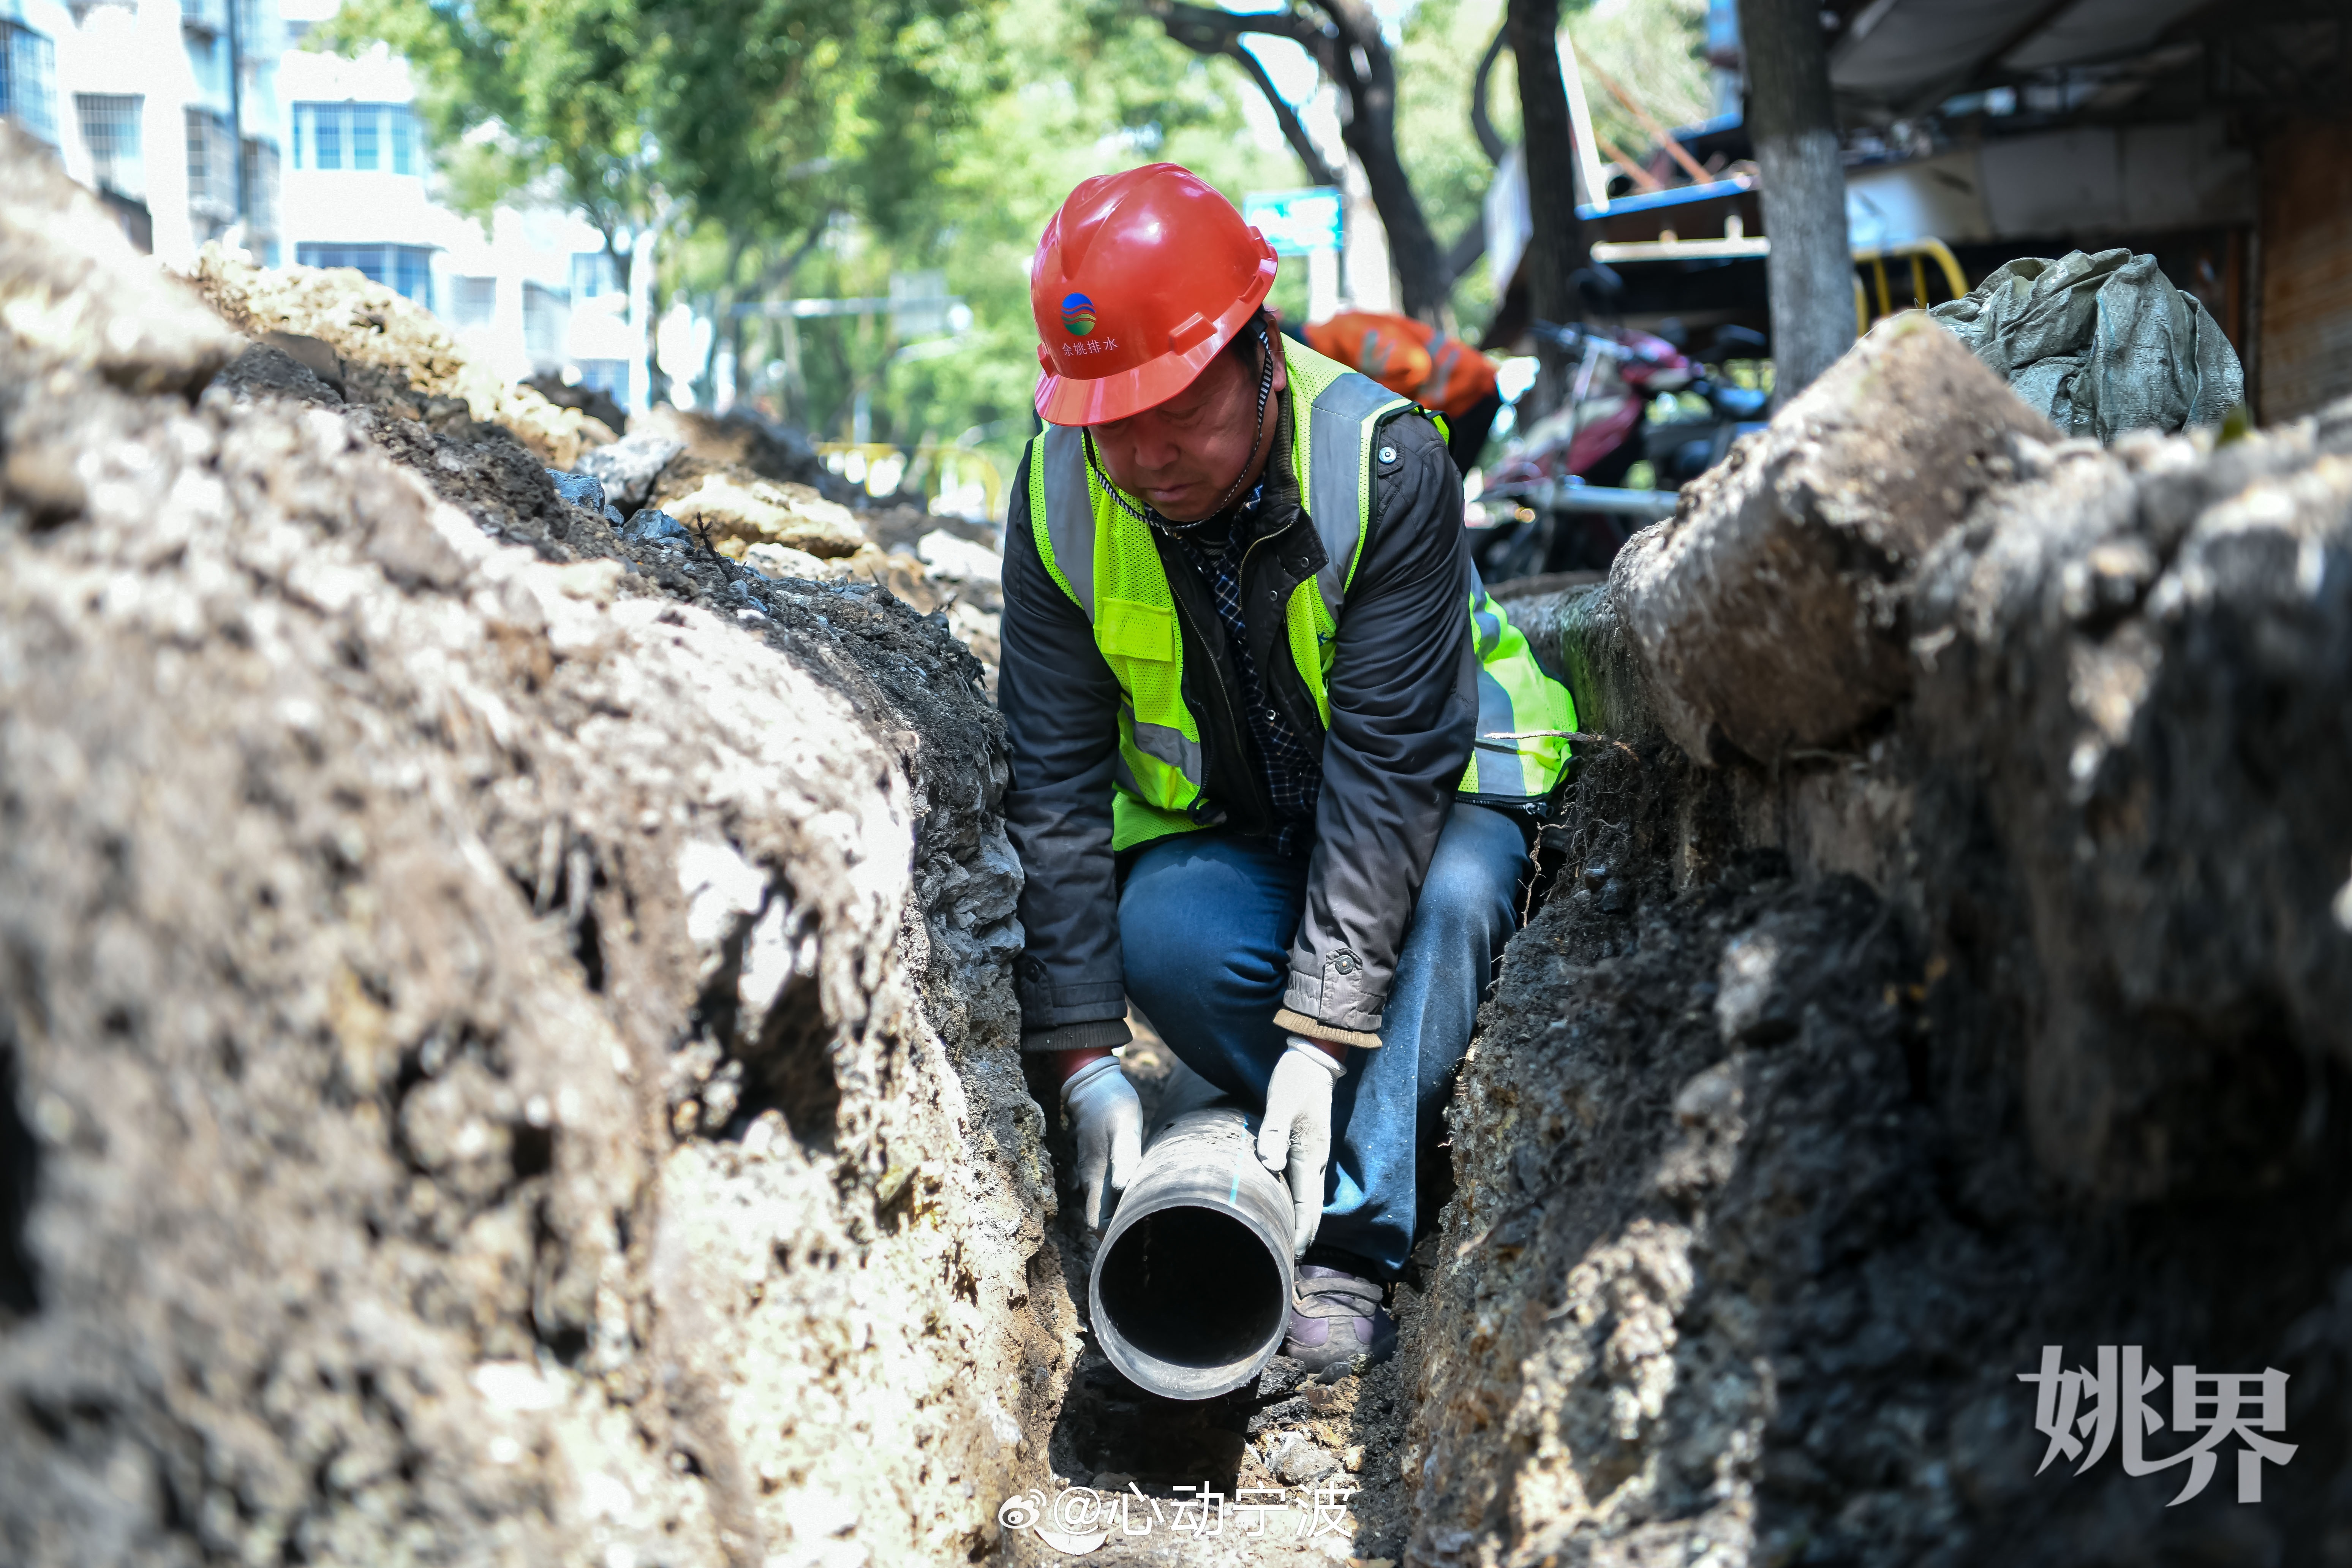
29,76
212,166
379,138
473,301
111,128
406,269
594,273
546,315
607,375
261,168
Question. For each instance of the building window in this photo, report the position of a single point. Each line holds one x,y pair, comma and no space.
212,166
28,74
545,314
406,269
110,130
607,375
260,32
261,169
594,273
381,137
473,301
363,150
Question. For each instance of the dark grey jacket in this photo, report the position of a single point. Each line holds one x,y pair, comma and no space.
1403,688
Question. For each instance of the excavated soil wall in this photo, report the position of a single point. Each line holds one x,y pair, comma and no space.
1952,966
505,1053
508,1046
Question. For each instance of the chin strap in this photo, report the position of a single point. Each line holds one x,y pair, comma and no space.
1257,433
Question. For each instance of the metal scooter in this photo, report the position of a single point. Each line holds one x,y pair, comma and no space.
1558,504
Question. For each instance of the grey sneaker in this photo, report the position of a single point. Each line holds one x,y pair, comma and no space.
1335,1317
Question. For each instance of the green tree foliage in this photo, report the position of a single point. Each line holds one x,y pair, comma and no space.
787,149
556,100
1088,89
763,116
1437,61
1657,50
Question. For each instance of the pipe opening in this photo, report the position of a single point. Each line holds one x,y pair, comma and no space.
1189,1290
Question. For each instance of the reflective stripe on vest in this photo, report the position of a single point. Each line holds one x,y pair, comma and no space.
1104,558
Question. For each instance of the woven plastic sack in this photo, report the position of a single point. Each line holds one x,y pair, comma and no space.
2100,344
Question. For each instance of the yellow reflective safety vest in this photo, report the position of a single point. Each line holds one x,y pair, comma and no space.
1103,557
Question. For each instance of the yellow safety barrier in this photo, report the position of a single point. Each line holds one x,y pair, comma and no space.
1918,252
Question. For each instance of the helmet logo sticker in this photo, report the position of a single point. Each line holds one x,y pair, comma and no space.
1077,315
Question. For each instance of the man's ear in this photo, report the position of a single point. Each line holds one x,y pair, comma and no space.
1274,346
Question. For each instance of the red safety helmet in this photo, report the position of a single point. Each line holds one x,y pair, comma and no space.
1140,279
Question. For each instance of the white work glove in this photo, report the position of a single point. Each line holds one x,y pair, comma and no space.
1106,1125
1297,1133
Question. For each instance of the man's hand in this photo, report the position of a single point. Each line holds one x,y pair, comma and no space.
1297,1133
1106,1125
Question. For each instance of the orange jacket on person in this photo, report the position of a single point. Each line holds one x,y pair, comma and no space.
1410,358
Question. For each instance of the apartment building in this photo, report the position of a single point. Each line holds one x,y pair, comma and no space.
198,120
168,109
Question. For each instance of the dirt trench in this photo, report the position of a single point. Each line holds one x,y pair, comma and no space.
1958,969
508,1037
508,1054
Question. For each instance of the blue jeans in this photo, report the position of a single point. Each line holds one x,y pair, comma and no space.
1205,921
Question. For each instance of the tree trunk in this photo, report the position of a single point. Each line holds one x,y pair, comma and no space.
1318,171
1482,123
1793,120
1357,57
1556,248
1354,55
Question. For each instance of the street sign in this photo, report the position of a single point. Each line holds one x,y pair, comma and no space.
1296,223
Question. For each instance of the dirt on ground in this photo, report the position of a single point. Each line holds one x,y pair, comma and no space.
506,1038
742,522
1294,1467
507,1055
1819,1098
386,350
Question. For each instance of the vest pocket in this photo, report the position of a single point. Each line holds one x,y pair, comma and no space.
1129,630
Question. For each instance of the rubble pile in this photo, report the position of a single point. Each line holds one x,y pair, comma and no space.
729,492
507,1048
1947,960
758,494
375,347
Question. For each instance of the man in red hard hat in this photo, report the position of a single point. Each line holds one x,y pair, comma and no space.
1436,370
1275,753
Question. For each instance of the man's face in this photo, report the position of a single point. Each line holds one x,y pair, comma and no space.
1183,456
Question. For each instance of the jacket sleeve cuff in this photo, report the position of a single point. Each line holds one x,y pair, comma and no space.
1315,1029
1333,1000
1099,1035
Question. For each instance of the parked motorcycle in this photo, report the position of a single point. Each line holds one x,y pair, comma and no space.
1557,503
1684,446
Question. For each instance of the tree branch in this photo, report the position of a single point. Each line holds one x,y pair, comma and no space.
1490,141
1353,53
1208,31
1358,58
1319,172
1556,243
1464,252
